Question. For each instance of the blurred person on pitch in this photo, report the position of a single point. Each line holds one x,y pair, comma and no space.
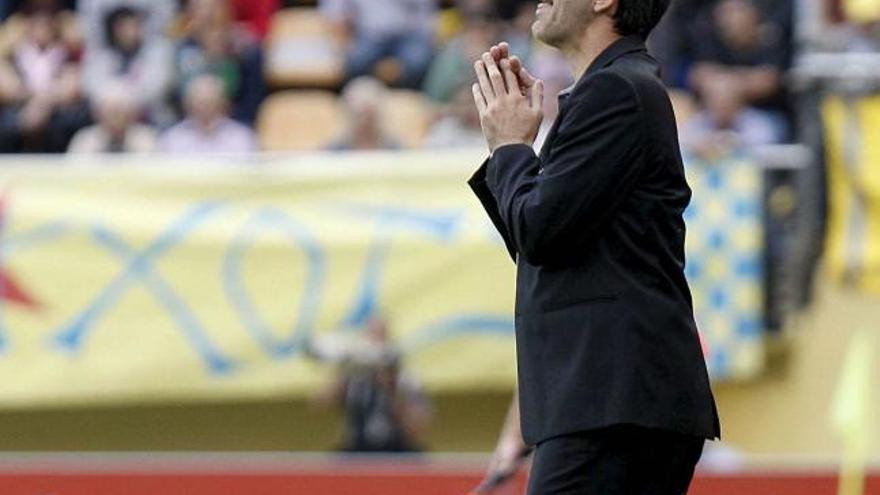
41,100
117,129
390,39
364,102
385,409
207,127
613,389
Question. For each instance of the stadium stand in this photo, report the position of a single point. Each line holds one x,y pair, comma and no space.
299,120
408,117
302,50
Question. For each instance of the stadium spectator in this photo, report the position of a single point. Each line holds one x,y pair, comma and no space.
385,409
212,43
681,37
117,129
136,55
208,52
42,101
364,100
207,127
675,39
725,123
460,126
391,39
453,66
737,54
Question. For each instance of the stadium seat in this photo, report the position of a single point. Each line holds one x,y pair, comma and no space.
408,116
303,51
299,120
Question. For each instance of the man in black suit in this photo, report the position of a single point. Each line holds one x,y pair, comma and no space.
613,390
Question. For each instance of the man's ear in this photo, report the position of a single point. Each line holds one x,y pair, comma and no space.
604,6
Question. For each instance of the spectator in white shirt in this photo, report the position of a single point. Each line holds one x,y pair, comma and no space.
364,100
133,53
207,127
117,129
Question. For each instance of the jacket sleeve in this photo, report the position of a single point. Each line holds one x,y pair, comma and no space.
487,199
551,206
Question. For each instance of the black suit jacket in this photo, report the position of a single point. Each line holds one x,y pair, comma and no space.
605,331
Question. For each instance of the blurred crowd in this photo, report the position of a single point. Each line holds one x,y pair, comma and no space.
184,76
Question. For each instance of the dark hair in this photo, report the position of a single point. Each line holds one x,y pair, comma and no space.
638,16
41,7
115,15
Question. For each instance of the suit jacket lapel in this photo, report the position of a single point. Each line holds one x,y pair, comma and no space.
551,135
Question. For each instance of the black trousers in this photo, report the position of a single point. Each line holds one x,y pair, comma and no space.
623,459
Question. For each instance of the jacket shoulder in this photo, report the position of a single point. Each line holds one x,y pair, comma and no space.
608,81
638,72
604,89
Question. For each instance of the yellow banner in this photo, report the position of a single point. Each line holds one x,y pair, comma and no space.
853,152
125,281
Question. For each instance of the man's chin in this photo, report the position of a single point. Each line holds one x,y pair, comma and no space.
542,33
538,31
